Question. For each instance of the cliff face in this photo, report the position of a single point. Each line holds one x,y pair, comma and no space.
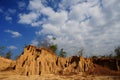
37,61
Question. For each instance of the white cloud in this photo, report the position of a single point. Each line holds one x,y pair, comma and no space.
13,33
12,11
8,14
8,18
35,5
12,47
21,5
92,24
34,42
29,18
1,10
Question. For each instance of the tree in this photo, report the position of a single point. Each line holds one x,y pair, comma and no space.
110,55
117,52
80,52
62,53
2,48
46,42
94,57
53,47
8,55
43,42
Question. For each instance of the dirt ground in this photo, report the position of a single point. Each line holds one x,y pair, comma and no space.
11,75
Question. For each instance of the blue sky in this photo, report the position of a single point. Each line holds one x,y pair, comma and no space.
90,24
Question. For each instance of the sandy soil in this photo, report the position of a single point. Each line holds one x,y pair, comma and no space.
11,75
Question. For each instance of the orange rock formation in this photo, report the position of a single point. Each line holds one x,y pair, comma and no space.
37,61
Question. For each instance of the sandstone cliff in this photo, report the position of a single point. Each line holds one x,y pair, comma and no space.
38,61
6,64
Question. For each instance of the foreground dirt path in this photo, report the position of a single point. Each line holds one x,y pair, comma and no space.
10,75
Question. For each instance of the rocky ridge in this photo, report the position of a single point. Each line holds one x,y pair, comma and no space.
42,61
38,61
6,64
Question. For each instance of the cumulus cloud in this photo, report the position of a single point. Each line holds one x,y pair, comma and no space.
12,47
21,5
30,18
35,42
89,24
8,18
1,10
13,33
12,11
9,13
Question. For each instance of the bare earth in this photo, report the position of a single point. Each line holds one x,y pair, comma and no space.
11,75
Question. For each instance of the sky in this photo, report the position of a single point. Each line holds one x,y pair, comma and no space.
92,25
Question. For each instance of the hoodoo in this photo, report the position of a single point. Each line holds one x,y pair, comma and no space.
37,61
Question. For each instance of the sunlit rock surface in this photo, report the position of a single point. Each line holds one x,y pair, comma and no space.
37,61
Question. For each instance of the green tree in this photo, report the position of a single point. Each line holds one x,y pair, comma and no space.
8,55
53,48
62,53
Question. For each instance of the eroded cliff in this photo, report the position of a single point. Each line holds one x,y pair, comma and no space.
37,61
6,64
